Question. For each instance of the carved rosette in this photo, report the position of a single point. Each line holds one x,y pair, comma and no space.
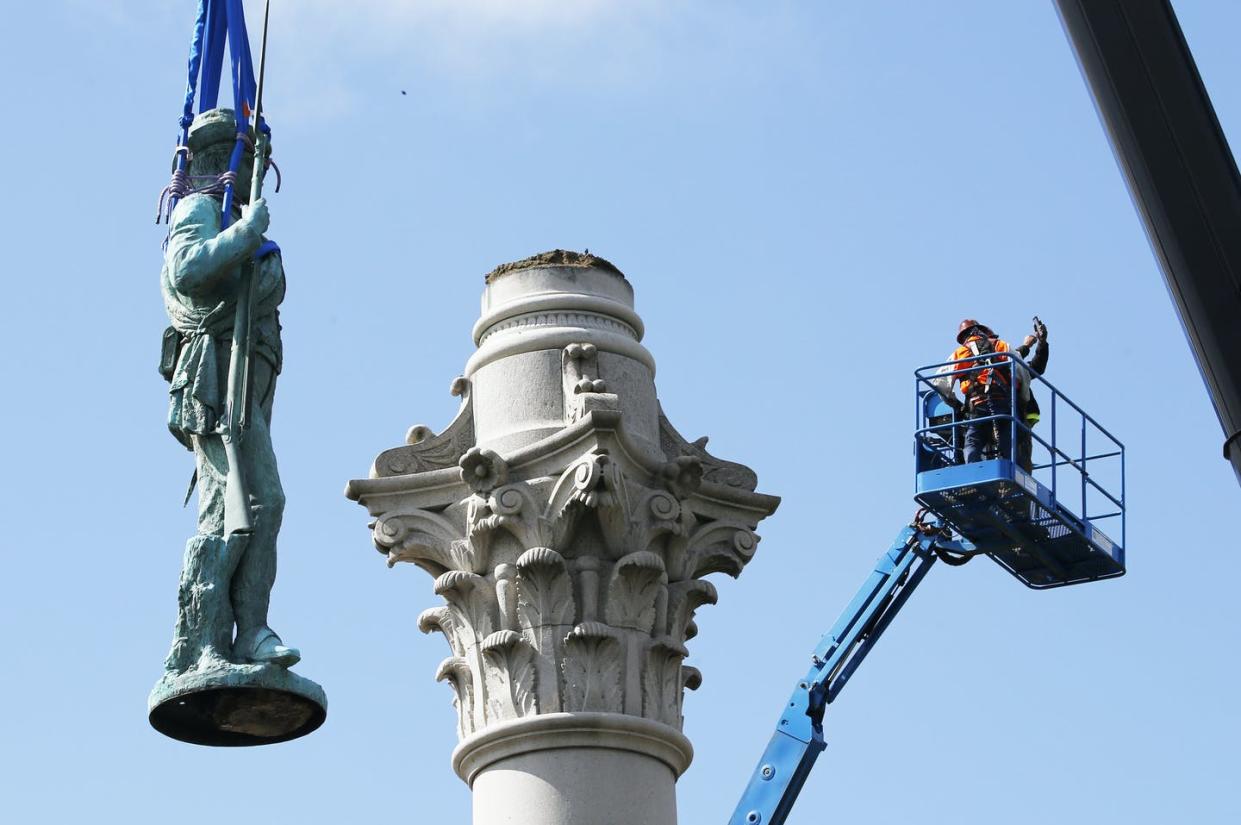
571,566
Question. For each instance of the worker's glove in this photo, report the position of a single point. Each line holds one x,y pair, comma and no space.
1040,330
255,216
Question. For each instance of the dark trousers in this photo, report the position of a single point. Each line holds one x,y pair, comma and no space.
1025,451
981,435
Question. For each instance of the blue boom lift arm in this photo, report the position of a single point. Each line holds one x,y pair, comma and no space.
798,738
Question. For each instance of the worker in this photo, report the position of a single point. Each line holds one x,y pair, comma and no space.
987,390
1028,409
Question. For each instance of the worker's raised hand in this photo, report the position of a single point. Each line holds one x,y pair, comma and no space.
1040,329
255,216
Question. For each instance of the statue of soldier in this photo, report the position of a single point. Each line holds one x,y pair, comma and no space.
226,579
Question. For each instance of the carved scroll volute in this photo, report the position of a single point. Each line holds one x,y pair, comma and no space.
510,676
592,669
590,483
427,539
515,509
719,547
545,613
658,513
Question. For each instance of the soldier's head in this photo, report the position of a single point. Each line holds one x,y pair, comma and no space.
212,136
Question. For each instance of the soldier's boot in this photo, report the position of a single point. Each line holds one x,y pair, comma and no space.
261,645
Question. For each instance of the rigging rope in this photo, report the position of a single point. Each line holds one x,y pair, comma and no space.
217,22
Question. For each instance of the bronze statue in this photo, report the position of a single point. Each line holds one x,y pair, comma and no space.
222,283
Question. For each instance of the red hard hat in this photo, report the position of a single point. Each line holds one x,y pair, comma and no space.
967,325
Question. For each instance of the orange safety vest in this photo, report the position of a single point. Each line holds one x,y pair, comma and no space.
975,381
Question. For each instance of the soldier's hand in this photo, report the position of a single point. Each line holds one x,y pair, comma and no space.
255,215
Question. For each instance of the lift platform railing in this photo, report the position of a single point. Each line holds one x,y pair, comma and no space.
1080,461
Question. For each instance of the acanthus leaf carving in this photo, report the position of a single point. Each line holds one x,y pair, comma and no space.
456,671
443,620
684,597
510,676
544,590
634,591
545,612
663,681
471,600
592,669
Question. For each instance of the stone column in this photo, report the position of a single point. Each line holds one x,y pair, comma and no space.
568,527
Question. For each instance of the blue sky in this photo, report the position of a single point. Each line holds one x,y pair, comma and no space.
807,197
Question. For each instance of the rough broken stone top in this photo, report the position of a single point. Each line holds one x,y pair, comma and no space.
556,258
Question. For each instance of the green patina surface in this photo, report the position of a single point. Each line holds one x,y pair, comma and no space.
222,637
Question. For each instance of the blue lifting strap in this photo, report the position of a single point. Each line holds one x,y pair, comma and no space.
217,22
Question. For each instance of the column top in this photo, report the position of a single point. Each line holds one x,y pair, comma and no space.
557,291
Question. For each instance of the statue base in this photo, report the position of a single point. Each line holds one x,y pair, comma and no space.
229,705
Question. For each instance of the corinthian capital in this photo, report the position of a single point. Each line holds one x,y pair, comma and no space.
567,525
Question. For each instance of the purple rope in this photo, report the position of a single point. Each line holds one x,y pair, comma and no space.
182,182
176,188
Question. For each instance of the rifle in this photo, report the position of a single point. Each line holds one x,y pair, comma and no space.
237,410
